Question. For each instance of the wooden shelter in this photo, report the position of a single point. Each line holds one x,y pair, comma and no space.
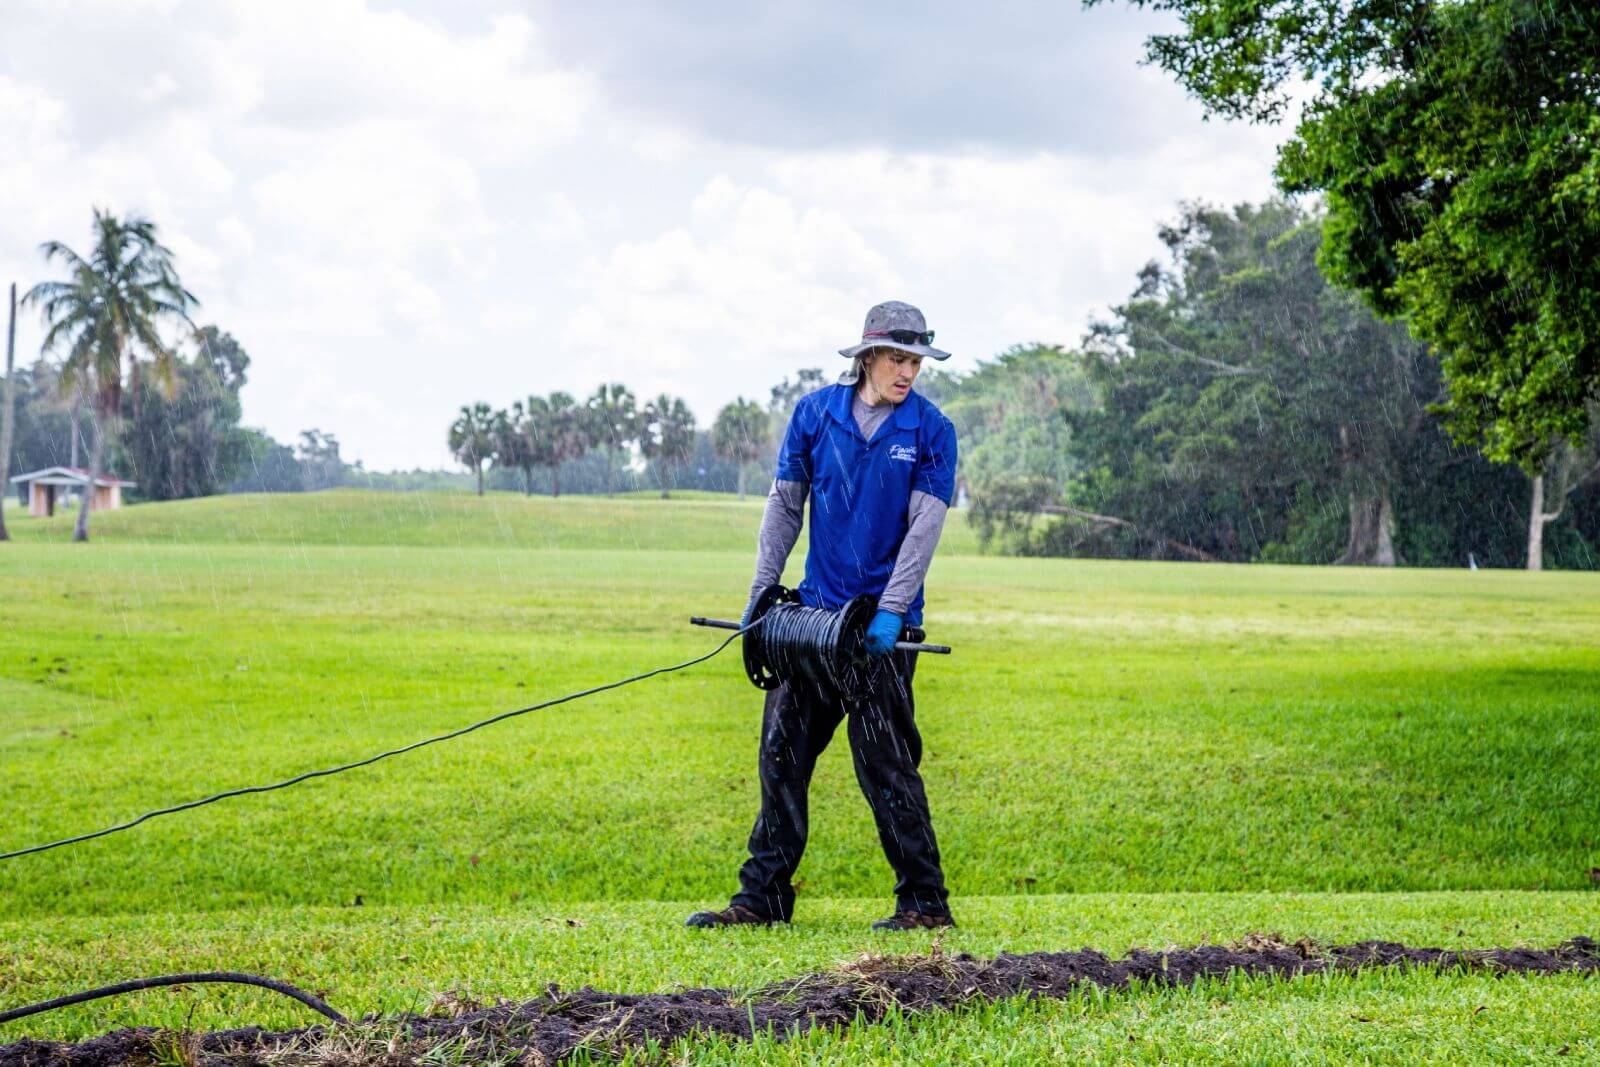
52,486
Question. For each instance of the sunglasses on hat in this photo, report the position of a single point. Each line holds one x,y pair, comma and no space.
903,337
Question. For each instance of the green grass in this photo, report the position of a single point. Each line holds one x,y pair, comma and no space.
700,521
1224,739
390,959
1388,1018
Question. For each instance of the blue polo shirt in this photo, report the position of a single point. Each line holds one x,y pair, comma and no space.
861,490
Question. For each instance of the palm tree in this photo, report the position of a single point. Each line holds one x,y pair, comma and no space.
571,434
506,429
667,437
523,438
616,423
472,438
103,315
740,434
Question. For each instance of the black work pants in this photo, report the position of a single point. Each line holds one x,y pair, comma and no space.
798,724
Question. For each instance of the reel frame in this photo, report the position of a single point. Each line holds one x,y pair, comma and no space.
849,672
755,665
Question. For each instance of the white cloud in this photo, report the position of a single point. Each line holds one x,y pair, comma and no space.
485,93
315,165
381,191
760,280
942,76
397,214
750,287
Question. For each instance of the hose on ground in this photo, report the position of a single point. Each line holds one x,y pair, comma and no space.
201,977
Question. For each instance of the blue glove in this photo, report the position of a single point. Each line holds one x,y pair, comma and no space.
749,609
883,633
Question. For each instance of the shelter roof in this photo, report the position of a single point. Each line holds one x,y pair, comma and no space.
69,476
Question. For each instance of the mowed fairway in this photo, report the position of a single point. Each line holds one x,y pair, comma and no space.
1117,754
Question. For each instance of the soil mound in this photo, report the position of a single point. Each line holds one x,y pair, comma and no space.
552,1027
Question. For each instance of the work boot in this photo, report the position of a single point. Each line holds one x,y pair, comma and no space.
732,915
906,919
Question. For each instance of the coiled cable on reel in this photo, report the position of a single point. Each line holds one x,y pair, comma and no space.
787,641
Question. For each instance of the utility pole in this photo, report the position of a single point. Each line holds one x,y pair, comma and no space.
8,416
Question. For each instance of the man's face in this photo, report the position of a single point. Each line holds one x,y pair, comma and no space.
891,373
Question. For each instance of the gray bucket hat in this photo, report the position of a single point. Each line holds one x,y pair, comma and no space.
892,324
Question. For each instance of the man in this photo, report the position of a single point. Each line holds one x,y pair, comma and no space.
878,463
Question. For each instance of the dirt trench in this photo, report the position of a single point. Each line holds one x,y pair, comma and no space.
553,1027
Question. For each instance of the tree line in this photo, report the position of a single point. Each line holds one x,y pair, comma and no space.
122,398
551,433
1239,406
176,438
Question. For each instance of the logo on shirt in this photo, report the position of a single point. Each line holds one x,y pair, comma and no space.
908,453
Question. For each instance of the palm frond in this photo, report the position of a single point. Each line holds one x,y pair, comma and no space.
59,331
54,250
43,291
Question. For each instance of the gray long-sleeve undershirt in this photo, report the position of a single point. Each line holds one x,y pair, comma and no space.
785,513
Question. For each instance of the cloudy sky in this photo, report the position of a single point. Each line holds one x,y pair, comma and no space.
399,208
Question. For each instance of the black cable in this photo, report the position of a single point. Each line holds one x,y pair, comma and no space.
820,646
374,759
231,977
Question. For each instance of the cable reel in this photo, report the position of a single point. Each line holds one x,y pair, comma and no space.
787,641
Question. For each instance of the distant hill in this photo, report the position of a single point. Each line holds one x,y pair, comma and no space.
707,523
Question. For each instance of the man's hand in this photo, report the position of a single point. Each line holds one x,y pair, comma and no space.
883,633
744,620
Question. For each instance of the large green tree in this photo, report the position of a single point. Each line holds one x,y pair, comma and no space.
266,465
44,435
1243,397
1009,414
321,465
187,442
106,312
1457,143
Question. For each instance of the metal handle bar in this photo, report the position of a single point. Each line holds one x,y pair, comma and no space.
902,646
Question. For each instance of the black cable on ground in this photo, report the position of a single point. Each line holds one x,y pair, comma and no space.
130,824
229,977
